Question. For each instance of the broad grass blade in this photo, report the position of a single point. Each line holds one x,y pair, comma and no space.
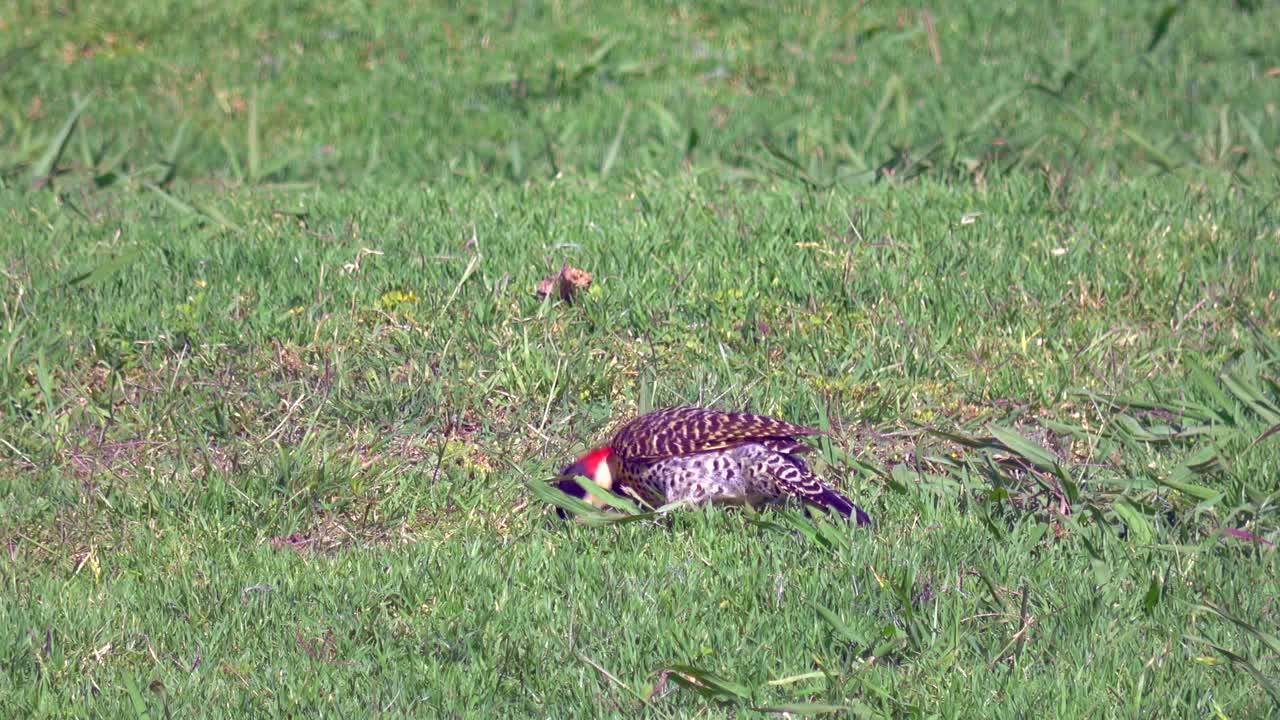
43,169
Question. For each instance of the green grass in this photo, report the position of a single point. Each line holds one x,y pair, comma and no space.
277,389
333,95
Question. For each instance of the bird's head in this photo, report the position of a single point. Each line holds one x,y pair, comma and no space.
598,466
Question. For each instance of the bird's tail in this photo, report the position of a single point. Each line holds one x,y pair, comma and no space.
832,499
794,475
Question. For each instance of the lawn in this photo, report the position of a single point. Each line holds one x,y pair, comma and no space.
280,396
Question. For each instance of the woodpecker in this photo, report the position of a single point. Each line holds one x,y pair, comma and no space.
703,455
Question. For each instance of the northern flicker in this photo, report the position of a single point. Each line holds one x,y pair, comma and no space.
702,455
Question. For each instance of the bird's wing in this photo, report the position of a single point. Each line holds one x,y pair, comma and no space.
686,430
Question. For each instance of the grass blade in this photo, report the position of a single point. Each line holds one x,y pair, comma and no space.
614,501
802,708
839,626
1266,434
188,209
1245,664
1032,452
709,684
628,512
1251,397
254,139
1139,526
990,112
43,170
1161,26
551,494
1158,156
135,699
1199,492
107,269
791,679
1266,638
611,153
172,153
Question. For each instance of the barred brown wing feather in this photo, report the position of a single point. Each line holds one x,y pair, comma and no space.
686,430
789,446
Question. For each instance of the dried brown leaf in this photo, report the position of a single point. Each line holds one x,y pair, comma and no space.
565,283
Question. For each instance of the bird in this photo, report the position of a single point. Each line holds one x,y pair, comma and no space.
703,455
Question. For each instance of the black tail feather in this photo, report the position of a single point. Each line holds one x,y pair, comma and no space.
832,499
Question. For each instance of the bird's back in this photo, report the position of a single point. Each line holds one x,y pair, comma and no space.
686,430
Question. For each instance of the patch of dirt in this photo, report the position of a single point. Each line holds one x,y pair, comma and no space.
885,448
1027,488
123,458
77,535
335,532
321,649
289,363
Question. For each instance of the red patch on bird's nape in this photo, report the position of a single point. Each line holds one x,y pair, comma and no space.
592,460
